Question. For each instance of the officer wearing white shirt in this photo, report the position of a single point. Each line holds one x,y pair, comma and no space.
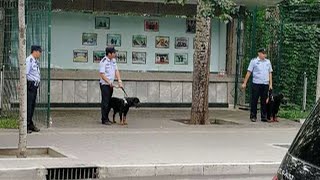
108,70
33,81
261,69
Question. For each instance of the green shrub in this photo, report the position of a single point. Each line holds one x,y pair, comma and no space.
9,123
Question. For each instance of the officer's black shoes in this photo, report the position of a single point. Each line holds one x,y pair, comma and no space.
107,123
111,122
33,129
264,120
29,131
253,119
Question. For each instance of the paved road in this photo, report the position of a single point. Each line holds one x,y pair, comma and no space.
264,177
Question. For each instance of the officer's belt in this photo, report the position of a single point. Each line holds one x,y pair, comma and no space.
35,83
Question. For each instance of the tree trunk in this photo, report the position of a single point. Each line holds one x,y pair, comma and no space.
318,81
201,64
23,82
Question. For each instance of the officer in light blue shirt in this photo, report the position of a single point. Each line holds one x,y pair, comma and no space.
261,70
108,70
33,81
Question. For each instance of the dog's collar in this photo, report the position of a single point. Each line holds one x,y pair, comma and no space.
125,101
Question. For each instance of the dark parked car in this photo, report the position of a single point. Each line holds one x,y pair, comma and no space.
302,161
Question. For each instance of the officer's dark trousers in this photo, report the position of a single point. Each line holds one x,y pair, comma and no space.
259,90
106,93
31,102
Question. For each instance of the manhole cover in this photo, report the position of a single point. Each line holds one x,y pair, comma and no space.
212,121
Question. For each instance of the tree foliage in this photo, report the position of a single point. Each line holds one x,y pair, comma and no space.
222,9
300,48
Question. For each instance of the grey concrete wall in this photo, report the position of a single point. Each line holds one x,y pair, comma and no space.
82,86
88,91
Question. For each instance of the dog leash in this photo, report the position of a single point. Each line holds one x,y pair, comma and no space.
124,91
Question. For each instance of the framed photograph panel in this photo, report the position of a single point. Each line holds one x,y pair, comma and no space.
89,39
191,26
151,25
122,57
139,41
162,42
181,43
162,58
80,55
139,57
114,40
98,56
181,58
102,23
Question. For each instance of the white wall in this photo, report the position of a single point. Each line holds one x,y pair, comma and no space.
67,29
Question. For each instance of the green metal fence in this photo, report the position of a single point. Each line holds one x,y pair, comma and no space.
38,32
290,32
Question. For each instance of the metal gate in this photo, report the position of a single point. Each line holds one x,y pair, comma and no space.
38,32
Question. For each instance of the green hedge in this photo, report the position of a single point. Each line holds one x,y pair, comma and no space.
300,49
300,53
291,33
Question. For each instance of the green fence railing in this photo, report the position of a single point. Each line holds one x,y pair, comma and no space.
38,32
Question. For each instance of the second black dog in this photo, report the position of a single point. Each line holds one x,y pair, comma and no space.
122,107
273,106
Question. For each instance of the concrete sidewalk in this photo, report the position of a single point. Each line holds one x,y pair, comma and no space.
153,144
146,118
136,152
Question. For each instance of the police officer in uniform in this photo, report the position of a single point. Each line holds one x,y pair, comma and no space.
108,72
33,81
261,69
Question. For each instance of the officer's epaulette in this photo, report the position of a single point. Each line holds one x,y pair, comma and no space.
103,59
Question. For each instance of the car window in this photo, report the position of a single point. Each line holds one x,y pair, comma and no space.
306,146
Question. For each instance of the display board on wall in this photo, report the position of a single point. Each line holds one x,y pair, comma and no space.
138,40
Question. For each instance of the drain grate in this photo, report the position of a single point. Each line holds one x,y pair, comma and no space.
72,173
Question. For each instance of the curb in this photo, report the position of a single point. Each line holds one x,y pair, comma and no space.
151,170
208,169
25,174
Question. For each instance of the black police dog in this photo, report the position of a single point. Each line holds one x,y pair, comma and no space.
122,106
273,105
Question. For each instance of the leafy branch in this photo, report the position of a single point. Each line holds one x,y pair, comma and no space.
221,9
